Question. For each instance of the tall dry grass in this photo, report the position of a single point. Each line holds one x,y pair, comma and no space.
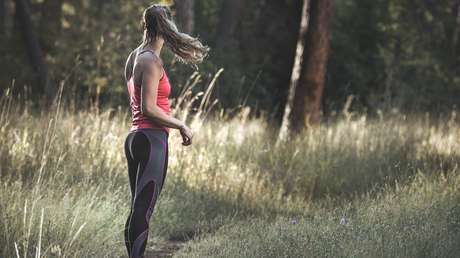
64,186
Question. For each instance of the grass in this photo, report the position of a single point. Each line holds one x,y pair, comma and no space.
420,219
355,187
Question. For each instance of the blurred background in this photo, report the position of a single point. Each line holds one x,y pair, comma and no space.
385,53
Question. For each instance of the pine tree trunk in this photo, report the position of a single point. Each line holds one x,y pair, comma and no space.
309,93
295,75
33,49
185,14
50,23
230,13
304,104
2,17
456,33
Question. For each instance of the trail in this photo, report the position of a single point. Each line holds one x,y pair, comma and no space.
166,249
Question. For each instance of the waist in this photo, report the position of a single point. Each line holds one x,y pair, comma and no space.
147,124
150,130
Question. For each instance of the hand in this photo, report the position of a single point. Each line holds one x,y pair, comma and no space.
186,134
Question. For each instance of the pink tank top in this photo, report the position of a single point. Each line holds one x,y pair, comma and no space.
138,119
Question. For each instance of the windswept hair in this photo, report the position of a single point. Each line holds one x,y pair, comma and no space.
157,21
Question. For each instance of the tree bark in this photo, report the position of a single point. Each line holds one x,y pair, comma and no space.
50,23
230,13
295,75
2,17
308,97
306,94
185,15
33,48
456,33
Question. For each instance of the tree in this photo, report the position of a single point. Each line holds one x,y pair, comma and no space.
456,33
303,107
230,13
185,14
33,48
2,16
50,22
295,75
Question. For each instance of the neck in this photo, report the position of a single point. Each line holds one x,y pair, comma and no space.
154,46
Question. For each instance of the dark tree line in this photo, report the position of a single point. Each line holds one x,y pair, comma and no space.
33,48
381,54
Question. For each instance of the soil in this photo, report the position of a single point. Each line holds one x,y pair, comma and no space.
166,249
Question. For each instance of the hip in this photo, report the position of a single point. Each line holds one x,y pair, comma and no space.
155,137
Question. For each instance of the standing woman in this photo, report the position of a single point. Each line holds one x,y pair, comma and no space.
146,145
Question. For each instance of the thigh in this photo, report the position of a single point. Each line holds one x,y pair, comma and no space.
157,157
165,167
132,164
137,149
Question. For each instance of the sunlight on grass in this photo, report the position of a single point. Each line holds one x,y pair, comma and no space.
65,191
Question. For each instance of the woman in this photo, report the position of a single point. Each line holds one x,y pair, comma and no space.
146,146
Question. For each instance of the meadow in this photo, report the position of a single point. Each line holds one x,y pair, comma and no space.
350,187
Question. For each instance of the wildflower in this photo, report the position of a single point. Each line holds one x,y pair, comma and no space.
56,249
294,221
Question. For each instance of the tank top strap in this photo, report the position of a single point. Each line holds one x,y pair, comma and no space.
148,50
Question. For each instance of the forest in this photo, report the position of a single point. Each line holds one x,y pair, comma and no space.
385,54
323,128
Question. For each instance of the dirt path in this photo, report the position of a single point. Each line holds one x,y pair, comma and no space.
166,249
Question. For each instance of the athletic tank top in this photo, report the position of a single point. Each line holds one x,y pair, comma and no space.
138,119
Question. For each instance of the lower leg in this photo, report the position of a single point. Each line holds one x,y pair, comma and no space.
128,241
138,228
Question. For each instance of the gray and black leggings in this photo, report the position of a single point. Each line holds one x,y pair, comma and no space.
146,151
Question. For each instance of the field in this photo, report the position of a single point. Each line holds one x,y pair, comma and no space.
351,187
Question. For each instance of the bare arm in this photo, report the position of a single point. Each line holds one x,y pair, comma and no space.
149,90
129,66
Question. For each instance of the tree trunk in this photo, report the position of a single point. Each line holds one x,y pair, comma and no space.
33,48
307,93
456,33
2,17
50,23
230,13
185,14
295,75
308,96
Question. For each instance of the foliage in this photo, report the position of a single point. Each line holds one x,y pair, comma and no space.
395,54
386,53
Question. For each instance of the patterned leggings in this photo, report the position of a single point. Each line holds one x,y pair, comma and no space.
146,151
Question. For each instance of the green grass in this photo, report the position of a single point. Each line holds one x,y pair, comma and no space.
417,220
233,193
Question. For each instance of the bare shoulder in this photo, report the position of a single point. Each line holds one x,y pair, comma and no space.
150,58
151,63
